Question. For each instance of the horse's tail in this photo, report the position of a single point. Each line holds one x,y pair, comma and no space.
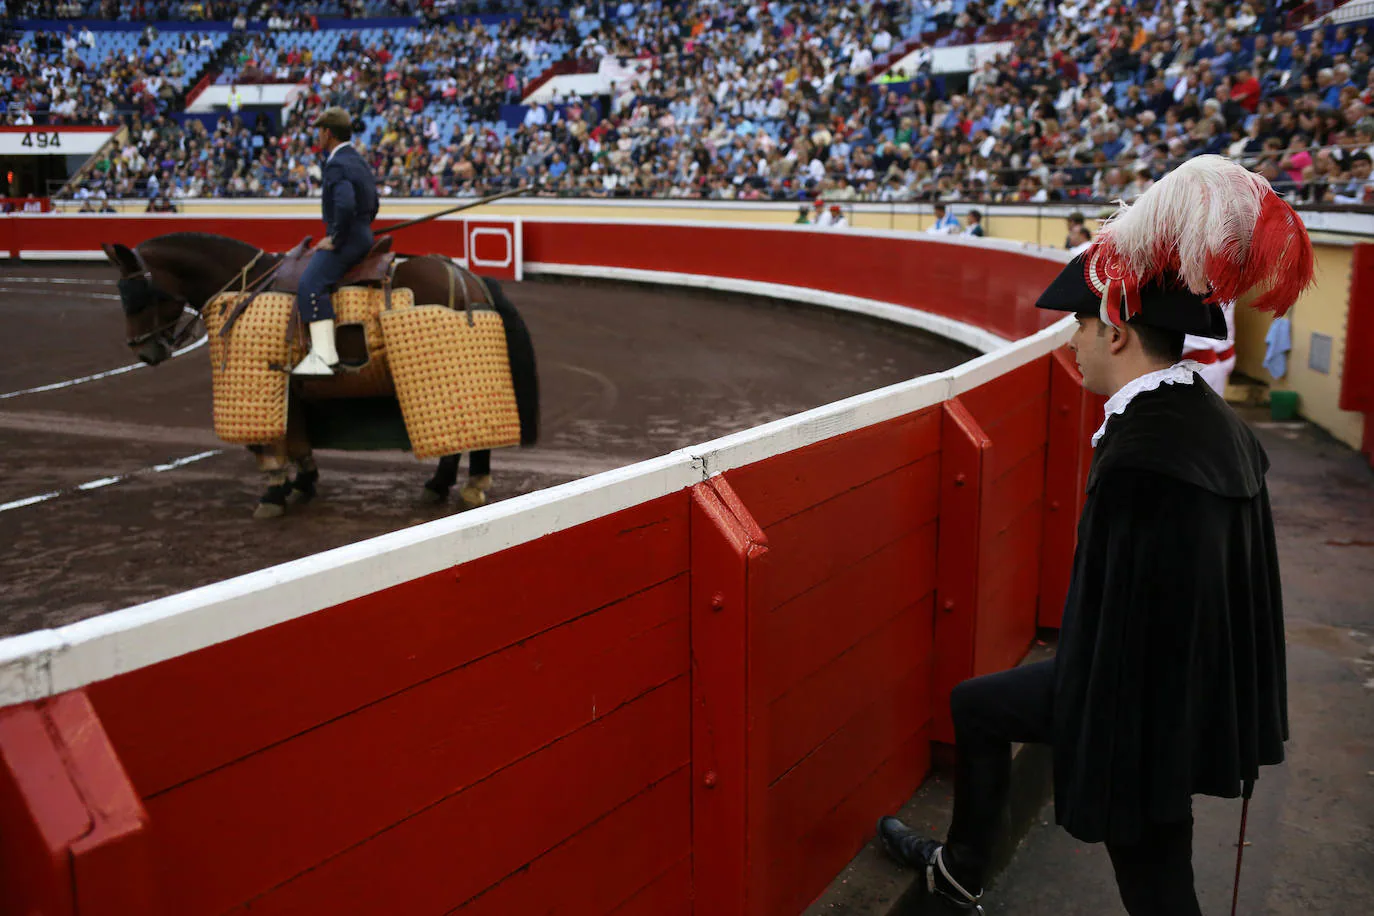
524,374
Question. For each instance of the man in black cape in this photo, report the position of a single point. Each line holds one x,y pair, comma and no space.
1169,679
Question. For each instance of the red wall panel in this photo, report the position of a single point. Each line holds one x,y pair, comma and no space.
408,701
990,288
840,642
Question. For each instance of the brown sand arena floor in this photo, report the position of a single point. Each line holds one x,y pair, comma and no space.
626,373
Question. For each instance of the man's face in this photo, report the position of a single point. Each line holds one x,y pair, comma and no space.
1089,346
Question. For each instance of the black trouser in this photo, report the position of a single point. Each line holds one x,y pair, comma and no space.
990,712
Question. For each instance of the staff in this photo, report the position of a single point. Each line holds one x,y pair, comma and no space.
463,206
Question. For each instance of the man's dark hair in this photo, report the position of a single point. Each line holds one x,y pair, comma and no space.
976,215
1076,218
939,208
342,134
1160,344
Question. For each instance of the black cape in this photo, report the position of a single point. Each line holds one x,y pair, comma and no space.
1170,676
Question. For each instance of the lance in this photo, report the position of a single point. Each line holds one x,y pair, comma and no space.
468,205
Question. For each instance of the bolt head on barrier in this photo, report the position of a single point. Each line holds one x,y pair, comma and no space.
717,601
948,606
960,479
709,780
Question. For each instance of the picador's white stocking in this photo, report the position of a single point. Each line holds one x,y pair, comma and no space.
322,356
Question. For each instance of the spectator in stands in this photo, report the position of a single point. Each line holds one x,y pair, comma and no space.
974,229
946,223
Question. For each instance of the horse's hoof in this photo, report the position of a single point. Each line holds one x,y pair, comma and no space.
432,497
300,496
471,497
269,510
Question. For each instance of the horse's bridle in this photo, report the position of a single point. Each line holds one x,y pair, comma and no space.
176,332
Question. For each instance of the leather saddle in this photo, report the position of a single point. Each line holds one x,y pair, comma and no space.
374,268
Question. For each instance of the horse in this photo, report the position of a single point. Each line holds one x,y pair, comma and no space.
166,282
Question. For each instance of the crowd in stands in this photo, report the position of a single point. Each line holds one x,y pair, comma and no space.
753,100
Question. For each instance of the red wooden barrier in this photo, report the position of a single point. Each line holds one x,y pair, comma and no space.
74,837
991,288
840,647
1357,377
524,715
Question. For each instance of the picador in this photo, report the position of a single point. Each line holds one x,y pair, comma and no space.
349,201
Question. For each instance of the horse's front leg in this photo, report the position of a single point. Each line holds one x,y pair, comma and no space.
474,494
445,476
273,463
307,476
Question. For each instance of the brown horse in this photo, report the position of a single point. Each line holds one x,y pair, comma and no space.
166,282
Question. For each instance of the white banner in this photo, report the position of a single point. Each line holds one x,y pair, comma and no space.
51,141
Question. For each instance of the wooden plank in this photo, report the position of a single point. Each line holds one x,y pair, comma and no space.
782,486
962,457
670,894
1017,435
42,814
812,546
805,794
804,866
801,636
719,618
1008,393
798,721
181,718
1008,497
1007,613
112,858
601,867
244,828
443,855
1063,453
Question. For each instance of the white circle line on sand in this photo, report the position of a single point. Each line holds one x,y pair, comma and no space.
108,373
62,280
107,481
74,295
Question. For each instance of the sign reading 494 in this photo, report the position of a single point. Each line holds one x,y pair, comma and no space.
32,140
42,139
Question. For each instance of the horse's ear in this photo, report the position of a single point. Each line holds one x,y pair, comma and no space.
120,256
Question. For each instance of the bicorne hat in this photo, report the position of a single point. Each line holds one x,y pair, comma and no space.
1209,232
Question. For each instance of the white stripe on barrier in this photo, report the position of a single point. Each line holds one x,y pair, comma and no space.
52,661
960,332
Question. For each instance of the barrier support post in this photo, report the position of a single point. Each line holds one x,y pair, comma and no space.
76,837
963,455
1064,460
723,539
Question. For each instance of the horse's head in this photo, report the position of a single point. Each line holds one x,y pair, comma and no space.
157,319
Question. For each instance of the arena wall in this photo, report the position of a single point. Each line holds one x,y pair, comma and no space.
685,686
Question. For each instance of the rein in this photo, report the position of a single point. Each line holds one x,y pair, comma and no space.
179,329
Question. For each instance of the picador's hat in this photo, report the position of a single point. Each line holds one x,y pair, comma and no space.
1209,232
333,117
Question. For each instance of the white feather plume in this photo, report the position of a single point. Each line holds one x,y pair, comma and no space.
1202,211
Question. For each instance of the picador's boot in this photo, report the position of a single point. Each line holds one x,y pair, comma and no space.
322,358
908,848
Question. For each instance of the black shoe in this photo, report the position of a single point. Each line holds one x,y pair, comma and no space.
908,848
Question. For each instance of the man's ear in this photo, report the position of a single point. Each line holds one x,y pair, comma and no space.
1117,338
122,257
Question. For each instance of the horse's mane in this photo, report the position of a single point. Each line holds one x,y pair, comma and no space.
204,237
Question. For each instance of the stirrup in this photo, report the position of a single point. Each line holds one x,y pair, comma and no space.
314,365
960,897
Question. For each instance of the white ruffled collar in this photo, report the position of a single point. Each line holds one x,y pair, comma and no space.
1180,373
